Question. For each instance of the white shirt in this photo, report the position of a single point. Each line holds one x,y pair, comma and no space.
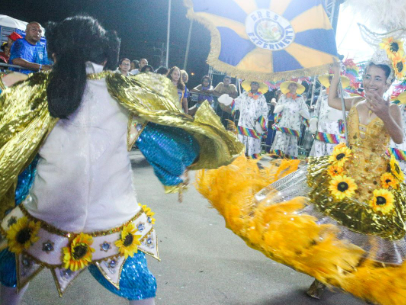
84,178
134,72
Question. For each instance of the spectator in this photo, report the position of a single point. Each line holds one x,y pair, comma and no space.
6,46
226,87
205,90
135,64
147,68
185,79
5,53
143,62
124,67
29,52
174,76
162,70
12,38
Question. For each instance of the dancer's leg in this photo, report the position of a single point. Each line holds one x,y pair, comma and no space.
150,301
9,295
316,289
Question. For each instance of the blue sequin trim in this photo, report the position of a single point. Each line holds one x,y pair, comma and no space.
136,282
169,150
25,181
8,273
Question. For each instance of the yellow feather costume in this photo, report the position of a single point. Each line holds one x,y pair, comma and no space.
344,243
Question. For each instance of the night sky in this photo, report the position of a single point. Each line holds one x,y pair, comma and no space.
141,25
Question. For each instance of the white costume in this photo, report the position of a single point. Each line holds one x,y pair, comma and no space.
288,128
399,150
61,195
327,126
253,121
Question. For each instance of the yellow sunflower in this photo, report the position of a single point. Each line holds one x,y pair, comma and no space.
392,46
79,253
342,187
382,201
399,65
22,234
395,169
388,180
335,170
149,213
340,154
129,241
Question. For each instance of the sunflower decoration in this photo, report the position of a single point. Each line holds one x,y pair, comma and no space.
395,169
340,154
22,235
382,201
148,212
399,65
342,187
388,180
392,46
79,253
335,170
129,241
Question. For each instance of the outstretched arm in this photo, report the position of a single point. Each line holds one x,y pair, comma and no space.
334,100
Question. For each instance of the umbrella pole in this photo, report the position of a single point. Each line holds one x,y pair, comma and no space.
340,89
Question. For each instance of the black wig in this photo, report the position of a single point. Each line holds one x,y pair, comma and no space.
73,42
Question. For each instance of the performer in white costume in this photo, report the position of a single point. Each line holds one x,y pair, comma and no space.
253,120
399,150
327,123
291,110
76,125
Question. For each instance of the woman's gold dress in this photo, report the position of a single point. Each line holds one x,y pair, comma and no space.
349,235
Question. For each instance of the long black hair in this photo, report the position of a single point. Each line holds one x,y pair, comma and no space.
73,42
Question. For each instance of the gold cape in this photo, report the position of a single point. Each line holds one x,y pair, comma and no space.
25,122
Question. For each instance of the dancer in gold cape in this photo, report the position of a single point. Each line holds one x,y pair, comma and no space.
338,218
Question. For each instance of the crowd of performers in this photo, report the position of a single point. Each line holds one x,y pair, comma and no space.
67,199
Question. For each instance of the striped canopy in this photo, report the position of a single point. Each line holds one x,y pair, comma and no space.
267,39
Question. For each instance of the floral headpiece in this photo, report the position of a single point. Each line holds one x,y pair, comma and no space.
391,53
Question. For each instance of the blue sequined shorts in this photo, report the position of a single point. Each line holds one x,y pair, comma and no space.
136,282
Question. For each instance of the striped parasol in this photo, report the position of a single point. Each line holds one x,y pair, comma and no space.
267,39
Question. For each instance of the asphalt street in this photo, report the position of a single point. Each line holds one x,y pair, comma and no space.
202,262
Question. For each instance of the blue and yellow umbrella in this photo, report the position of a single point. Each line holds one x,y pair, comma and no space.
267,39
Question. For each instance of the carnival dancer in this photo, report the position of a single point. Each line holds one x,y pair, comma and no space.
291,110
327,123
340,218
399,150
82,210
253,108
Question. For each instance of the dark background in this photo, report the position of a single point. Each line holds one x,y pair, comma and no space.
141,24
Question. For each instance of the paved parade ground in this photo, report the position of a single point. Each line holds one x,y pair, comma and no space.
202,262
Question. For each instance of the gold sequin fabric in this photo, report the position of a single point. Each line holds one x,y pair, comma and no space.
25,122
367,163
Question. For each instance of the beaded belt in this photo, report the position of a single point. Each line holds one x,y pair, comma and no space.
37,245
327,138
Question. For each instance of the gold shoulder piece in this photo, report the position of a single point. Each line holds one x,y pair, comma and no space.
24,123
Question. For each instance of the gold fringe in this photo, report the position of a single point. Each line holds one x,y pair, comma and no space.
215,48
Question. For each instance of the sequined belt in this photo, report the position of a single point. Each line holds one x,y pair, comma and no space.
37,244
327,138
